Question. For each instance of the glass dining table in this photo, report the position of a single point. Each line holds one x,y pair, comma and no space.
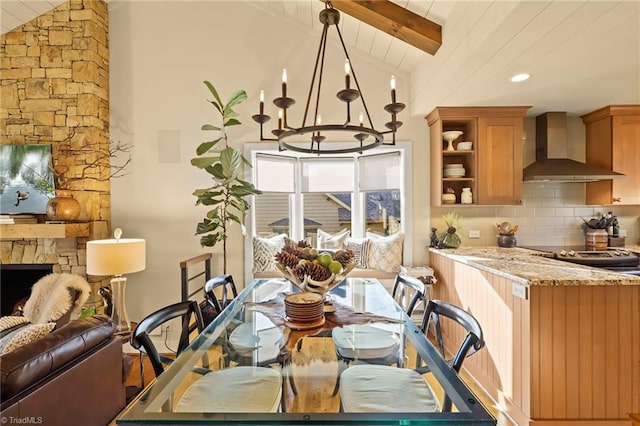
306,359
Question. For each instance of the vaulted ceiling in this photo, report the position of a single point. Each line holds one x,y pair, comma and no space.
581,54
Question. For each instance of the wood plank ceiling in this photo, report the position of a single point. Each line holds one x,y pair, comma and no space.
581,55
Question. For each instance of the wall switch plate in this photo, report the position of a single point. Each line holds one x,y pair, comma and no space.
474,234
520,291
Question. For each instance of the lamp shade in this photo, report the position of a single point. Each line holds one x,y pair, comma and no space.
116,256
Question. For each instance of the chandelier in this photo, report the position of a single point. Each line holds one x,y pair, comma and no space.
363,137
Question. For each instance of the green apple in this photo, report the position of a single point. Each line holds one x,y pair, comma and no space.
335,267
325,259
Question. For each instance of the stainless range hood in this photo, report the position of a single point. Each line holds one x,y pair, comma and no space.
552,163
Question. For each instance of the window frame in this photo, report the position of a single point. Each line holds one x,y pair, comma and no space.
296,202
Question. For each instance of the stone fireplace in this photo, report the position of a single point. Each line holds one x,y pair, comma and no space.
55,82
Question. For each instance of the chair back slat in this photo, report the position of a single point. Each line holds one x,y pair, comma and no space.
407,292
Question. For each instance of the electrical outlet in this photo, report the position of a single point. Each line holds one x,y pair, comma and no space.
474,234
519,291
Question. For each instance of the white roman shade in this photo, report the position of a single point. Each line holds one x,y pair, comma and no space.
327,174
380,172
275,173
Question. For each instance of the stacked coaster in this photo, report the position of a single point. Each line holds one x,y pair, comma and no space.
304,310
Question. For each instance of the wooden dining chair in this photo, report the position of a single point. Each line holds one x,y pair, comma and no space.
375,345
388,389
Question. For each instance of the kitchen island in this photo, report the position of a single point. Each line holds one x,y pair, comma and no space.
562,340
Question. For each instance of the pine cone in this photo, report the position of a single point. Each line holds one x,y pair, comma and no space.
303,244
345,257
298,252
317,272
287,259
300,270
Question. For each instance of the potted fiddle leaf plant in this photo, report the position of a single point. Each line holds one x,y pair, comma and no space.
227,197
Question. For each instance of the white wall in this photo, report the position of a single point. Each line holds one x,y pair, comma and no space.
160,54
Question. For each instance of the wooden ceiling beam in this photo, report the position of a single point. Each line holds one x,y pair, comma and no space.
397,21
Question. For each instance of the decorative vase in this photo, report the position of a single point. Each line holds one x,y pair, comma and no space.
450,240
63,206
506,240
466,197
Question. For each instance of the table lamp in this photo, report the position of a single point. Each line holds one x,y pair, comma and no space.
117,257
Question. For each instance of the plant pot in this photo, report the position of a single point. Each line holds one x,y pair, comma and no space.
505,240
63,206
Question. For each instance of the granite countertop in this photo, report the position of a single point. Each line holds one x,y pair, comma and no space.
634,248
529,267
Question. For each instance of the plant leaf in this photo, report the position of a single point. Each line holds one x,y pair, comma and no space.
217,170
230,158
236,97
204,162
214,92
233,217
232,122
206,146
209,127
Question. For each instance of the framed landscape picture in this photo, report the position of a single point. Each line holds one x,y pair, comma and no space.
26,181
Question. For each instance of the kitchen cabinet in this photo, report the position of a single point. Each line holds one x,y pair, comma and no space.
494,164
613,142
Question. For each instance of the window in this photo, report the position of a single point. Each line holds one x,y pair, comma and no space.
303,193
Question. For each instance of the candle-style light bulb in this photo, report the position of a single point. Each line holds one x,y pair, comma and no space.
284,82
393,88
280,118
347,71
261,102
361,117
318,120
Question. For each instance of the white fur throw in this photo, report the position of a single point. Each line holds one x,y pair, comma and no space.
50,298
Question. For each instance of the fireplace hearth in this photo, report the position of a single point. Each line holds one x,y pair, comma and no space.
16,282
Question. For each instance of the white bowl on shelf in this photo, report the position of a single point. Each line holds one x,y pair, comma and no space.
465,146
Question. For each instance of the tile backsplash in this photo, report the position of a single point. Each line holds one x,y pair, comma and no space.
551,214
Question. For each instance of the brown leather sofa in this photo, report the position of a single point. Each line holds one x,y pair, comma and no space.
74,375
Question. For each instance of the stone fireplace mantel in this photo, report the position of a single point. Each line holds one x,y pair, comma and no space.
44,230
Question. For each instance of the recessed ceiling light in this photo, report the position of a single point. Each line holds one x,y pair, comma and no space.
520,77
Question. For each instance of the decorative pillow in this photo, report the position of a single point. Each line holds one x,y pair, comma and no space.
332,241
23,336
360,248
385,253
11,323
264,251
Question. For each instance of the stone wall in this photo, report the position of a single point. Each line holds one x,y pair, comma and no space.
55,88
